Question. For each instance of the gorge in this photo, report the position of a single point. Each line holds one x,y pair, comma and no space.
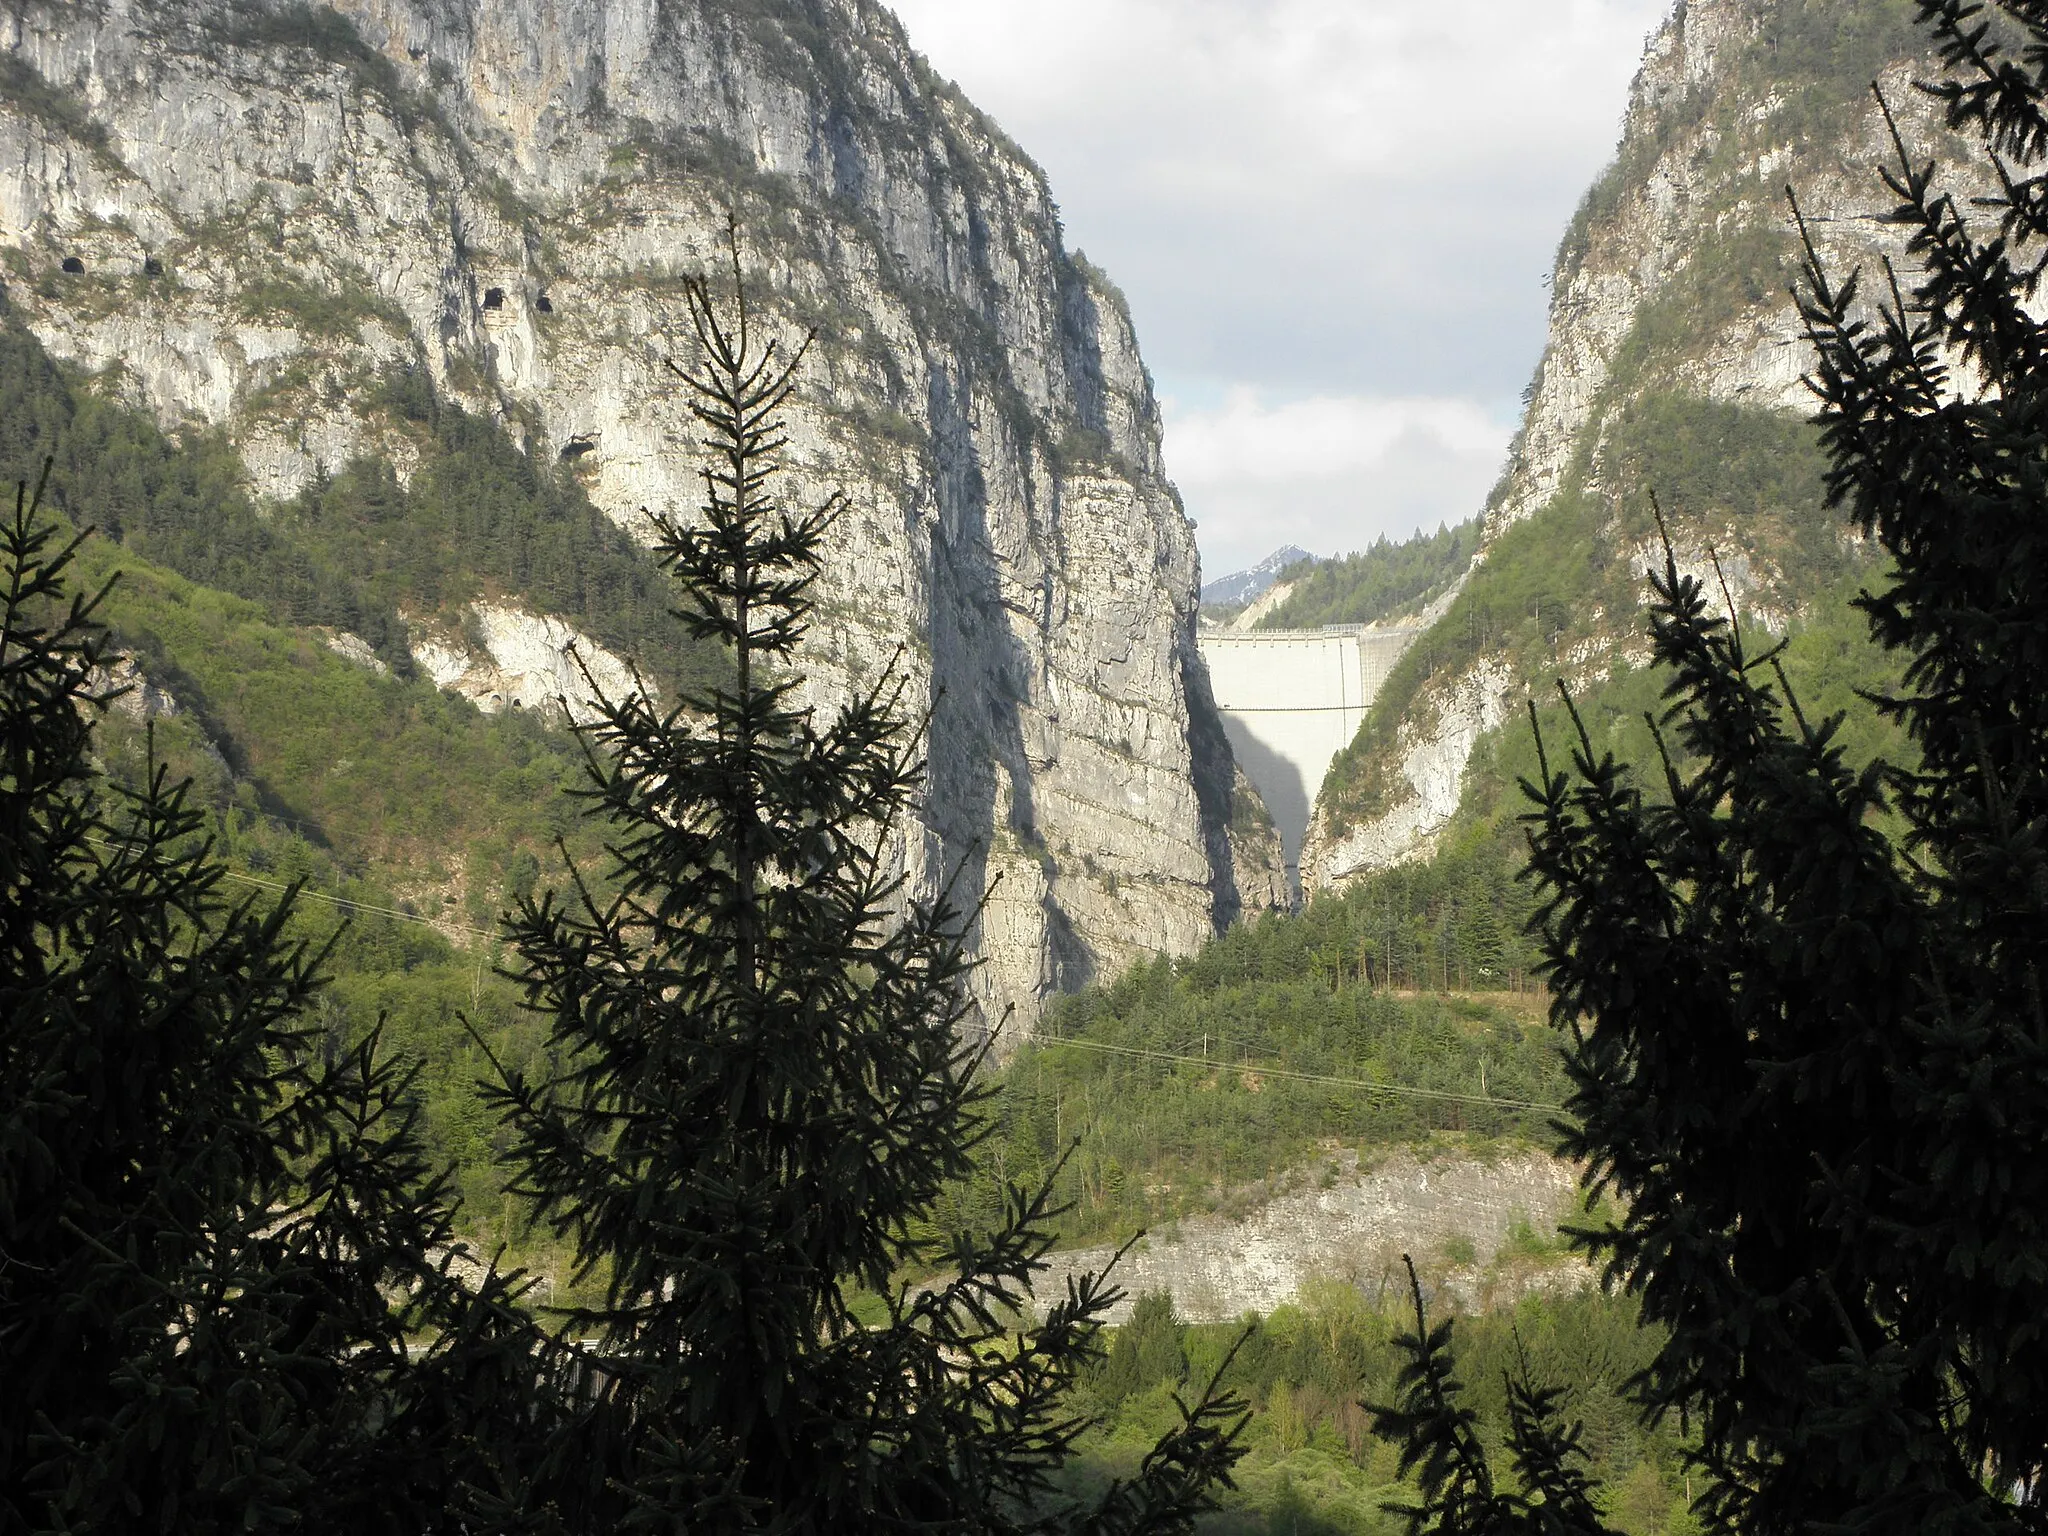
1673,368
349,330
275,222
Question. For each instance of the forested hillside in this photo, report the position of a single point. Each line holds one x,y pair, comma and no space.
413,818
357,551
1672,374
1189,1080
1386,581
1314,1468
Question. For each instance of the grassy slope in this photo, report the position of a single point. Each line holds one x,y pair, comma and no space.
372,788
383,773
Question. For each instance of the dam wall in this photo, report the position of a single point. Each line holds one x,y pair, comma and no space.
1291,699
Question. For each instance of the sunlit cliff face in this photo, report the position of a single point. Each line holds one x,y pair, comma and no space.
268,218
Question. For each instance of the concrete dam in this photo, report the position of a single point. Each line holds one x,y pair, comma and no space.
1291,699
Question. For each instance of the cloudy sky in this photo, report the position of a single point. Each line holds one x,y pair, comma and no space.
1333,219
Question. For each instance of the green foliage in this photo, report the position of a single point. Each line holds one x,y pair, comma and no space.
1822,58
1453,923
227,1300
756,1087
1177,1084
1378,583
1144,1352
1438,1435
1313,1464
311,767
481,520
1756,473
1806,1055
373,765
1081,449
1843,46
116,471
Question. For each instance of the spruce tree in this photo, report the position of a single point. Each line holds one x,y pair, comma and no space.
1550,1493
1810,1057
224,1295
765,1079
1813,1062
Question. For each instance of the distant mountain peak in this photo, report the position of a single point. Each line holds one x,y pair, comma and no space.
1243,586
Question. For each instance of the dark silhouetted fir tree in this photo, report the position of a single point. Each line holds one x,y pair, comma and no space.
765,1079
1812,1058
1438,1434
225,1302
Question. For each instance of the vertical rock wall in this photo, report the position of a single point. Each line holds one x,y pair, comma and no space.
277,206
1672,280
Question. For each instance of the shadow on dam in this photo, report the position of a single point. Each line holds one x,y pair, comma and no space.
1291,700
1280,785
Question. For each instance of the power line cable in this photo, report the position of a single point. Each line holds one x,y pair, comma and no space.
1303,1077
347,902
1324,1079
359,906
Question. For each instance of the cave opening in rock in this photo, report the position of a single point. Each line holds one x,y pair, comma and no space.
544,305
151,267
494,298
73,264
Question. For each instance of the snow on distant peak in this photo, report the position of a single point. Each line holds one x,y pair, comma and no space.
1243,586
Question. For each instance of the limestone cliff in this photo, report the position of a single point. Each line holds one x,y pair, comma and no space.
247,215
1670,312
1713,136
1350,1220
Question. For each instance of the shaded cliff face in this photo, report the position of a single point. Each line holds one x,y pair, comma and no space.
277,209
1674,365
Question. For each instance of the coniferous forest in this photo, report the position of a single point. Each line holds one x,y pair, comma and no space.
670,1179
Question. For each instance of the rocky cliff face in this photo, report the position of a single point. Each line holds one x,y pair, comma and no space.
1713,136
1350,1221
250,215
1671,285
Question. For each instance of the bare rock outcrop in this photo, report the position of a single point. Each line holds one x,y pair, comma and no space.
1456,1215
250,217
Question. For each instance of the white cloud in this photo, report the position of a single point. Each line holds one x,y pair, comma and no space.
1329,199
1360,84
1329,473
